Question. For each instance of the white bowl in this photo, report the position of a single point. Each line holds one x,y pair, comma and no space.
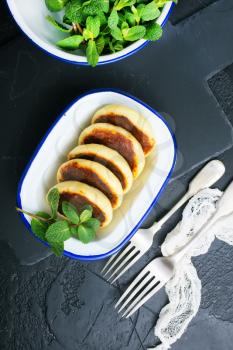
31,19
40,173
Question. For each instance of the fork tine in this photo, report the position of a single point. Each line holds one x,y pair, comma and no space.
114,256
130,306
137,257
121,256
132,255
135,291
132,285
131,311
109,262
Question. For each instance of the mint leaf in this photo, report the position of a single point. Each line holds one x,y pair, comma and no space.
85,234
87,34
124,3
58,232
116,33
85,215
118,46
107,39
71,43
70,212
39,228
102,18
57,248
136,14
43,215
91,8
94,7
93,223
130,18
140,9
73,11
113,19
87,207
92,53
55,5
53,199
100,43
57,25
124,25
134,33
111,46
153,32
92,28
74,231
148,12
105,5
66,20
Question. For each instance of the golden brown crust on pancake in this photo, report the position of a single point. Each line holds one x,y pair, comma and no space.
118,139
80,194
107,157
93,174
130,120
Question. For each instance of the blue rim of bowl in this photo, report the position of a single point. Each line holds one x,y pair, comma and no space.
134,230
139,48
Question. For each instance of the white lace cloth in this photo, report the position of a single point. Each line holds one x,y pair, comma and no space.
184,289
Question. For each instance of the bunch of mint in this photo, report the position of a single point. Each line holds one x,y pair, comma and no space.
101,27
56,228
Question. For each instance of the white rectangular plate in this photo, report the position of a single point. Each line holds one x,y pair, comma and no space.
40,174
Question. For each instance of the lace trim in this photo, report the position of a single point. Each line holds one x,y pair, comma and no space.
184,289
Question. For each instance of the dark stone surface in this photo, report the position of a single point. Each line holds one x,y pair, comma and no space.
50,303
185,9
221,85
8,29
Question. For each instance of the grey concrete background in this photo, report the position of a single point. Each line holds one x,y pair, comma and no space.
56,303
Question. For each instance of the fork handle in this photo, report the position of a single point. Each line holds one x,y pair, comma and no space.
206,177
175,258
157,225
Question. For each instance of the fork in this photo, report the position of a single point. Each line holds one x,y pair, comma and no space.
120,262
160,270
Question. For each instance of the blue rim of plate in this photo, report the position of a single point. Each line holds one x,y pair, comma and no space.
134,230
139,48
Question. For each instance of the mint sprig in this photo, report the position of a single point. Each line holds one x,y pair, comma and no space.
55,228
100,27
